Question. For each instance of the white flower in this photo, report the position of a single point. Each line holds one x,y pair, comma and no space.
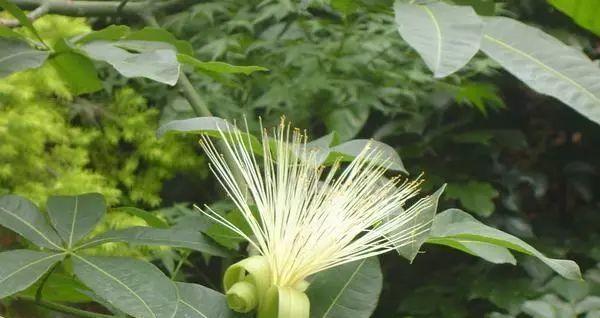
311,218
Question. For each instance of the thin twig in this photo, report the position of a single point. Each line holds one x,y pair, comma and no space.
32,16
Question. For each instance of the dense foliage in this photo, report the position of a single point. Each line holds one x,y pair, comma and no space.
516,160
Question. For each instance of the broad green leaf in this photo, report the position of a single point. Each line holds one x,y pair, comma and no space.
350,149
161,35
197,301
225,236
219,67
110,33
20,15
349,290
474,196
61,288
545,64
150,218
23,217
74,217
17,56
347,121
206,125
140,235
586,13
422,222
489,252
446,36
6,32
143,46
159,65
135,287
77,71
21,268
456,224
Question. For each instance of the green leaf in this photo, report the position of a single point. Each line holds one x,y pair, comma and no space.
150,218
110,33
206,125
477,197
446,36
197,301
77,71
489,252
158,65
457,224
17,56
349,290
20,15
347,121
21,268
411,250
135,287
61,288
586,13
218,67
349,150
7,32
161,35
23,217
162,237
74,217
480,95
545,64
227,237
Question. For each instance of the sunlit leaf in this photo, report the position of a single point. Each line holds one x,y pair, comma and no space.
545,64
586,13
446,36
158,65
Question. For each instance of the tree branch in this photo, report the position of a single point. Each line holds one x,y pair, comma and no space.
32,16
104,8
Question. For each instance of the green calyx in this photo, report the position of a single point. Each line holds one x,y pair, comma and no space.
249,286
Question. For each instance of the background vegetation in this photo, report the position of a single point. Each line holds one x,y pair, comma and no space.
519,161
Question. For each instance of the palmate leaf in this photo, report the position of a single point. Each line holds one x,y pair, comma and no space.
349,290
586,13
446,36
197,301
16,55
135,287
21,268
23,217
545,64
74,217
140,235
